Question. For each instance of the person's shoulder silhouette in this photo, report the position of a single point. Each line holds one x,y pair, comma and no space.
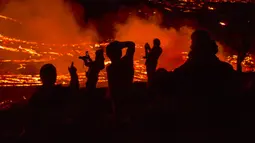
49,106
48,76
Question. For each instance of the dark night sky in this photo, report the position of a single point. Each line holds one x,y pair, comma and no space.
108,1
98,7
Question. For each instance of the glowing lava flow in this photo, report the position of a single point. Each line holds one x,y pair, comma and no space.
42,53
12,79
35,53
11,19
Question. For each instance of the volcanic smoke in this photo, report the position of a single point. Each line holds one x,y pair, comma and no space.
52,25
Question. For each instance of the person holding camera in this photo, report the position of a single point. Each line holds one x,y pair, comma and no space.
94,68
152,55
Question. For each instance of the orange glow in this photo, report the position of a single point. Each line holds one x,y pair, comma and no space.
211,8
48,40
9,49
8,18
168,9
222,23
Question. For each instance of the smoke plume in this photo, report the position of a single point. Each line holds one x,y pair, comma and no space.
46,21
173,41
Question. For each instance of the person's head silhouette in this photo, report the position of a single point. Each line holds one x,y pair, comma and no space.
200,35
114,52
48,75
156,42
202,43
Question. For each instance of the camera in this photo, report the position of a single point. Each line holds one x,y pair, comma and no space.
84,57
87,60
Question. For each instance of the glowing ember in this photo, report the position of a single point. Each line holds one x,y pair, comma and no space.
9,49
211,8
222,23
168,9
8,18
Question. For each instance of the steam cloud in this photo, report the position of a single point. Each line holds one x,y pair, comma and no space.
46,21
173,41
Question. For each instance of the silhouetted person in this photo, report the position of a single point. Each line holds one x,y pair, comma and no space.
74,83
94,68
202,58
120,72
203,73
147,48
47,108
152,56
200,87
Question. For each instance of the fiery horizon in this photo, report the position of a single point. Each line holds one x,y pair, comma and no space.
31,36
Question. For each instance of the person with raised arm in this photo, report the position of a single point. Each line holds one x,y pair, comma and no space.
94,68
120,74
121,70
48,108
